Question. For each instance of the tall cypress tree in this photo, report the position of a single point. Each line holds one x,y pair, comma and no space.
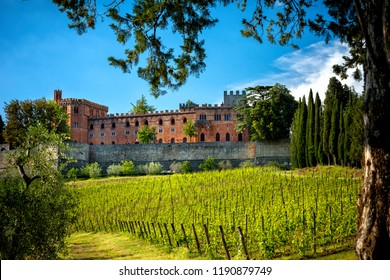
1,130
294,140
334,131
317,129
310,129
302,134
342,135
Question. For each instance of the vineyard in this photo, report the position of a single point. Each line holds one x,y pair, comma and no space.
248,213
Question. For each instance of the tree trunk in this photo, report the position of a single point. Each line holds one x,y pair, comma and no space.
373,238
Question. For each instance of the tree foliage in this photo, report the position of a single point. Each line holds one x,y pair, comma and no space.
190,129
37,209
24,114
1,130
147,135
268,112
142,106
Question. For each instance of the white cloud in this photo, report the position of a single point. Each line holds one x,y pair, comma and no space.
305,69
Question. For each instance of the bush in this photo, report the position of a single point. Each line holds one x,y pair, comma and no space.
208,164
92,170
186,167
225,164
155,168
114,170
176,167
73,173
247,163
127,168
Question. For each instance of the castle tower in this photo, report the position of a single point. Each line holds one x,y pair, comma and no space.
233,98
57,95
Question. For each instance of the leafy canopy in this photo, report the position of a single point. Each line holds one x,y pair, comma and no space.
142,106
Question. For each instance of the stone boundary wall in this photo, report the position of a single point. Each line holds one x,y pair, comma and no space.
259,152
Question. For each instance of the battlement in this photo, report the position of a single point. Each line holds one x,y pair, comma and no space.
232,98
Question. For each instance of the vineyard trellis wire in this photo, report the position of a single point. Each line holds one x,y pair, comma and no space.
278,212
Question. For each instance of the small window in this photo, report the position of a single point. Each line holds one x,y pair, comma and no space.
76,110
90,135
146,122
202,117
240,137
113,125
101,143
202,137
160,122
185,140
113,133
91,126
172,140
136,123
217,137
127,132
227,137
76,125
101,134
160,130
217,117
160,141
185,120
102,126
172,130
227,117
127,124
113,142
172,121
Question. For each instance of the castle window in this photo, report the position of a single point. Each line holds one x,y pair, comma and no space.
172,121
185,120
127,132
136,123
160,122
101,143
113,133
202,137
91,126
113,142
217,137
172,140
185,140
228,117
160,141
202,117
76,110
91,143
127,124
113,125
101,134
76,125
240,137
172,130
160,130
217,117
90,135
227,137
146,122
102,126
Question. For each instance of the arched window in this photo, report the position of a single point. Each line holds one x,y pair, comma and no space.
91,143
136,123
217,137
227,137
172,121
160,141
127,124
185,140
113,142
113,125
185,120
172,140
91,126
102,126
76,110
101,143
202,137
146,122
240,137
160,122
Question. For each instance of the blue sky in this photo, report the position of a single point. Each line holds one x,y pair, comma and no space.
39,53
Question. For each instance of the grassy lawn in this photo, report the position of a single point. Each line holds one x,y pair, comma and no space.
122,246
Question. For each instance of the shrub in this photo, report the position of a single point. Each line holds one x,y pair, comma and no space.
186,167
225,164
92,170
247,163
155,168
208,164
114,170
176,167
143,168
127,168
73,173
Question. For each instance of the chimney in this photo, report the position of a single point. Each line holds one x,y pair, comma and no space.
57,95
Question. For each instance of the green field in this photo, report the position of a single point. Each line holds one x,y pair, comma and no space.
256,213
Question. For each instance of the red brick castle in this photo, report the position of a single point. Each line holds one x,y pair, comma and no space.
90,122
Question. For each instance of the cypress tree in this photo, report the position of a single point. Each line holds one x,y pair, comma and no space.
317,129
302,134
294,140
342,135
310,129
334,131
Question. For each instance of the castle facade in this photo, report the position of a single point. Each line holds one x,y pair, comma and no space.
90,122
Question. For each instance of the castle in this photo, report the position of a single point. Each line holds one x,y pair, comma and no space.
90,122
